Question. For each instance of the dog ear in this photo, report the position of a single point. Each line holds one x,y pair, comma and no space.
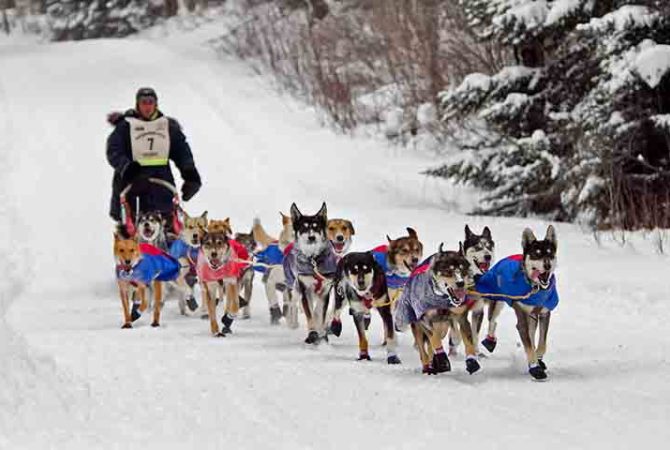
412,233
551,235
389,239
440,249
323,212
116,236
204,215
295,213
468,232
351,227
486,233
461,250
527,238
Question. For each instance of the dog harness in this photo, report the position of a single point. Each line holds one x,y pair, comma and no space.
297,263
507,277
369,299
154,265
394,280
181,250
231,270
420,295
269,256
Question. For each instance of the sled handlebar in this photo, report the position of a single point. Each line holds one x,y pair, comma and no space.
167,185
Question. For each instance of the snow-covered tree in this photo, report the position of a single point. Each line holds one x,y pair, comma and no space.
579,126
77,19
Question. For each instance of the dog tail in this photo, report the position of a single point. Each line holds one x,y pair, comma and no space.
260,235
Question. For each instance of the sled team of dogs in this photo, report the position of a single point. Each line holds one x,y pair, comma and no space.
442,297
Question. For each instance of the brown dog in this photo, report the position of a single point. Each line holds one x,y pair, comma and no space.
340,233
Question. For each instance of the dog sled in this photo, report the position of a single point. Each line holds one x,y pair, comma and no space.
130,222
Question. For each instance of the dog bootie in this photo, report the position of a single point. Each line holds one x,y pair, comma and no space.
472,365
489,343
441,362
393,359
542,365
275,315
364,356
243,301
428,370
135,312
127,325
312,338
227,321
336,327
537,373
191,303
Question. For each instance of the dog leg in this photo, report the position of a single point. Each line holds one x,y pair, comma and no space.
359,322
494,310
471,363
210,301
476,325
158,300
389,334
440,359
419,340
232,294
125,304
542,343
523,327
454,339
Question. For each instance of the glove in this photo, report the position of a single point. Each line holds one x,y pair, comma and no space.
191,184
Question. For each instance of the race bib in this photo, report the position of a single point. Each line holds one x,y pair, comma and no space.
150,141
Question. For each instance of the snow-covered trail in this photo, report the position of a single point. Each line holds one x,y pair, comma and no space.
69,377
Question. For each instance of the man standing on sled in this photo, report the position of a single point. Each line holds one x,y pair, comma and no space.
140,147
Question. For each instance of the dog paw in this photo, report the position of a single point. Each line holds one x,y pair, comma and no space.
219,335
336,327
537,373
192,304
489,343
428,370
364,356
312,338
155,324
472,365
542,365
441,363
393,359
135,313
242,301
126,326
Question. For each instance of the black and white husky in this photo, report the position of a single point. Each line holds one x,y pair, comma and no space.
479,250
309,268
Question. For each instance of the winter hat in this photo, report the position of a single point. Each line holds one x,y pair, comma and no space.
145,92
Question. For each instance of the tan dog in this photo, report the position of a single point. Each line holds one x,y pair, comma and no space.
127,255
186,251
220,226
340,233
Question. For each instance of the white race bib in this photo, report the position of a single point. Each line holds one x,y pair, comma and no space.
150,141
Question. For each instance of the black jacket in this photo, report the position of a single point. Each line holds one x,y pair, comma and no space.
119,156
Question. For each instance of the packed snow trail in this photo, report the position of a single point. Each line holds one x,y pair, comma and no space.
70,377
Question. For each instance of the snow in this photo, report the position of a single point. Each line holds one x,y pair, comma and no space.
653,63
560,9
71,378
475,81
531,13
627,16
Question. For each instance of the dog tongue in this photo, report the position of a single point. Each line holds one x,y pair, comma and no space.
460,293
338,246
484,266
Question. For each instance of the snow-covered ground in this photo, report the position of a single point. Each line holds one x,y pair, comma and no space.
71,378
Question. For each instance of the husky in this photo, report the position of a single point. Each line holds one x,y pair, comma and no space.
480,252
361,282
140,266
247,280
151,229
527,283
433,300
340,234
398,259
269,262
185,249
219,270
309,268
